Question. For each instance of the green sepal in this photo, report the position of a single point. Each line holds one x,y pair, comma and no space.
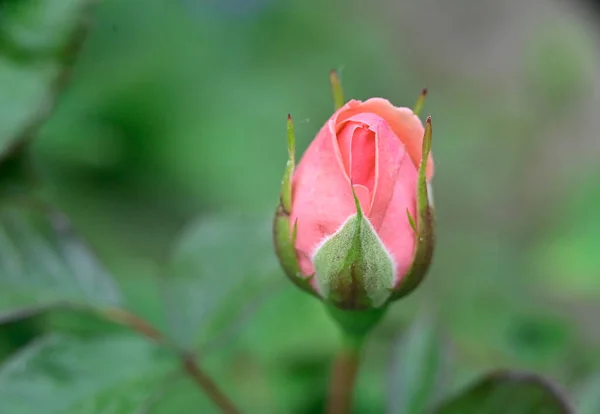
284,237
355,324
286,183
336,89
420,102
411,221
425,226
353,269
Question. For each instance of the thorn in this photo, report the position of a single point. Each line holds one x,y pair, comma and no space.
336,89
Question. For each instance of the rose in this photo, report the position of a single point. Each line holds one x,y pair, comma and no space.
356,210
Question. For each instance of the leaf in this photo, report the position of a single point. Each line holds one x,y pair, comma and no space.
508,392
220,264
415,369
61,374
180,398
43,264
38,41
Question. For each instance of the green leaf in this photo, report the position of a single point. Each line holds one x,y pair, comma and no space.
508,392
61,374
43,264
221,265
38,41
415,370
180,398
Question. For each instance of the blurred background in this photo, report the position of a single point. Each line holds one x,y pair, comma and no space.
175,119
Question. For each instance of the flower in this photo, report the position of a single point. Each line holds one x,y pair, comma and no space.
355,225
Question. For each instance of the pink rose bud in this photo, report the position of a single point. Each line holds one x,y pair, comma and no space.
355,222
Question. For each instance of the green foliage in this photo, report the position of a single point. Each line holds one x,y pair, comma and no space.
219,265
177,110
38,41
507,392
61,374
44,264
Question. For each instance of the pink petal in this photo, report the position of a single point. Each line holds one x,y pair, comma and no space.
395,231
321,194
406,125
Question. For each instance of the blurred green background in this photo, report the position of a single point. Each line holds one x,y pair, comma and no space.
176,112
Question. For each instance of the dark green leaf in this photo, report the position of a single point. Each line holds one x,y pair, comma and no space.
38,41
221,263
43,263
58,374
508,392
415,370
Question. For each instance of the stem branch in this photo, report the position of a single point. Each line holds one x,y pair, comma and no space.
208,385
188,362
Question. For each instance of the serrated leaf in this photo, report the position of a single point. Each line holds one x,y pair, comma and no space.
38,40
61,374
508,392
219,266
415,369
43,263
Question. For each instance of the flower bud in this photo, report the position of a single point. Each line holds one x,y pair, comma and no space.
355,224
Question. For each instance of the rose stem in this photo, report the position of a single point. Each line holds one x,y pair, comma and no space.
343,376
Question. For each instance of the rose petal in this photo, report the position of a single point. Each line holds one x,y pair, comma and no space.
395,231
321,194
363,165
389,152
406,125
390,156
344,139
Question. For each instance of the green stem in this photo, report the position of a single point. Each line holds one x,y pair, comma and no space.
343,376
